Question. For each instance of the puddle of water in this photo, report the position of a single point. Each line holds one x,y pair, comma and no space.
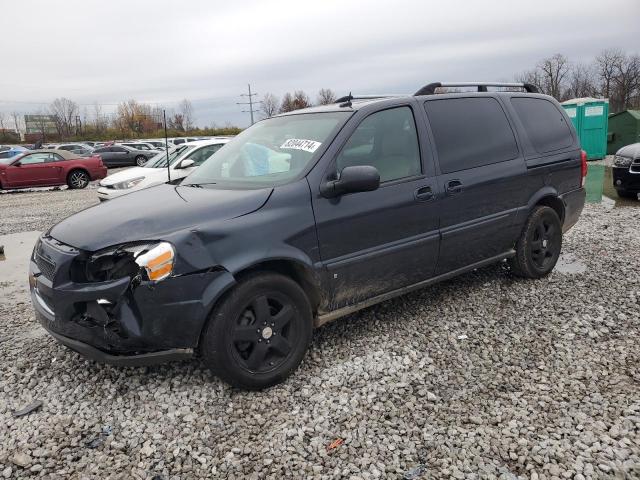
570,264
610,191
14,264
599,186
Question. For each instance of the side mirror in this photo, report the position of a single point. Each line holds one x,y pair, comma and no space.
17,164
361,178
186,163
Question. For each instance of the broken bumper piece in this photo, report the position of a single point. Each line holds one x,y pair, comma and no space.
132,360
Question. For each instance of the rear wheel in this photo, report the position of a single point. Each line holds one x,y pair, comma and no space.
259,332
539,245
141,160
78,179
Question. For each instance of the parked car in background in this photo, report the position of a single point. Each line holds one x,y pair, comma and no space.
10,152
159,144
183,159
140,146
626,171
41,168
122,156
81,149
309,216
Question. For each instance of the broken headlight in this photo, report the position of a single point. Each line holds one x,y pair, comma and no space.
150,261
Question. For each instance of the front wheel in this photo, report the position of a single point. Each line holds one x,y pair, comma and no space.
627,194
141,160
259,332
538,247
78,179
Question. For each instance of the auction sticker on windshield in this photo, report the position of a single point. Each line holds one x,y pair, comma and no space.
301,144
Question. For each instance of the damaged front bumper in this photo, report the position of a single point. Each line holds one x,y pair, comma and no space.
118,321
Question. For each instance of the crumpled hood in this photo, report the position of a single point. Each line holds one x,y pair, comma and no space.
154,213
630,151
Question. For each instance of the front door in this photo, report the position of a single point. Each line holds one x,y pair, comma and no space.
32,170
379,241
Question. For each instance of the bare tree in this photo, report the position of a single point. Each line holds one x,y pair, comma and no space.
100,123
269,105
581,81
606,66
185,109
627,81
16,121
287,103
64,112
2,117
326,96
554,72
176,122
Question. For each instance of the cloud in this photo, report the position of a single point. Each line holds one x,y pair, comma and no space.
161,52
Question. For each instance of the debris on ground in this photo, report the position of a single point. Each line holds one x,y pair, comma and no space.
335,444
102,436
415,472
32,407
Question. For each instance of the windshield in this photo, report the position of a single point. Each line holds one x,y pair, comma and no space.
160,160
270,152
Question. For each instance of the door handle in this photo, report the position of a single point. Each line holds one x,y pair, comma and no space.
423,194
453,186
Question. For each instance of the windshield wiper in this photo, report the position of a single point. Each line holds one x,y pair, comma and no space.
198,185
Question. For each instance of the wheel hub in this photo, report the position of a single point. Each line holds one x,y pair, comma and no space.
267,333
544,243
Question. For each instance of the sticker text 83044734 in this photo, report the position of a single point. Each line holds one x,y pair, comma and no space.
301,144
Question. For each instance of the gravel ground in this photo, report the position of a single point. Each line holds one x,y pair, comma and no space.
483,376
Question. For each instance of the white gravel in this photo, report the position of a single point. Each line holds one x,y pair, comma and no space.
483,376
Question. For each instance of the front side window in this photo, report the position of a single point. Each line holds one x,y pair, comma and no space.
386,140
271,152
201,154
35,158
470,132
119,150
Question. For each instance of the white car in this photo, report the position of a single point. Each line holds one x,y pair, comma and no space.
183,159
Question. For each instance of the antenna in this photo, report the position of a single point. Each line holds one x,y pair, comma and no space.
166,143
250,103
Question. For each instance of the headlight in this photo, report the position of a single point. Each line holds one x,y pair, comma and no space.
151,260
158,262
623,162
128,183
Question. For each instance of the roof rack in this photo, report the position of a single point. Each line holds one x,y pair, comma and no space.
430,89
348,98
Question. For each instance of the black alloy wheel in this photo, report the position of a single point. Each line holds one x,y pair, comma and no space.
258,332
539,245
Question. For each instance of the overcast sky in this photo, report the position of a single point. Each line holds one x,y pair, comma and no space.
160,51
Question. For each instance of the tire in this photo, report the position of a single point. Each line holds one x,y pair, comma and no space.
539,245
259,332
627,194
78,179
141,160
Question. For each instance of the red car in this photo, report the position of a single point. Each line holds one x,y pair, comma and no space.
43,168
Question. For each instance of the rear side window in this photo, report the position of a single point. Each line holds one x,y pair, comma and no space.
545,125
470,132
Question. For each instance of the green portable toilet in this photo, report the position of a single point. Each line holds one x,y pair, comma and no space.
590,119
624,129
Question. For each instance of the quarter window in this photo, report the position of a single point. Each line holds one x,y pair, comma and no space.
470,132
386,140
545,125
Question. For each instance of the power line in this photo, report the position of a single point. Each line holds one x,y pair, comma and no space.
250,103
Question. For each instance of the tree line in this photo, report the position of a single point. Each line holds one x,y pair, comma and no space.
613,74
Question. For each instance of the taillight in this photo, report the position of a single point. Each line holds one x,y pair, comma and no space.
583,167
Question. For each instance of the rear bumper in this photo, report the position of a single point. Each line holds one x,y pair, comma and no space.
625,180
573,204
98,174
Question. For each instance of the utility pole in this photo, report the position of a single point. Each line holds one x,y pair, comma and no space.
250,103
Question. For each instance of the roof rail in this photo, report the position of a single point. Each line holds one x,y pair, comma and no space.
350,97
430,89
